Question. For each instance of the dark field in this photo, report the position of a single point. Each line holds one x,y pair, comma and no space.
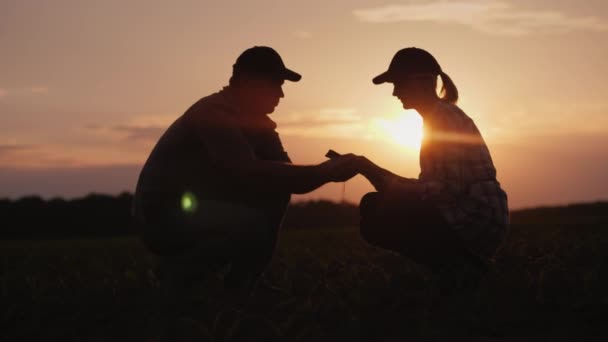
550,282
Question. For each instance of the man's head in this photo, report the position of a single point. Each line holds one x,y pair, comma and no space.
258,75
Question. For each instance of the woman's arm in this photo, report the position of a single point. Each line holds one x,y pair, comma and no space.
383,180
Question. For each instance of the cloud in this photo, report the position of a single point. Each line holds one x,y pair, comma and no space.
491,17
558,118
39,90
323,117
140,133
144,129
314,123
323,123
93,127
302,34
33,156
6,149
23,91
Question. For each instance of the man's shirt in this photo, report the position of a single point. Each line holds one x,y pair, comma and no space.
199,151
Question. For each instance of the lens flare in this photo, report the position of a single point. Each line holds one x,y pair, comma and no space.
189,202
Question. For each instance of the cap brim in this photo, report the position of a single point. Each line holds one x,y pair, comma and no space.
291,75
382,78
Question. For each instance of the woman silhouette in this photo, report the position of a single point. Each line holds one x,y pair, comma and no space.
455,213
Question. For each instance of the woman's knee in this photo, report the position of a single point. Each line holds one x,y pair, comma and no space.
369,203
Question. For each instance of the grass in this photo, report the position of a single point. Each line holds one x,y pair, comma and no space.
548,282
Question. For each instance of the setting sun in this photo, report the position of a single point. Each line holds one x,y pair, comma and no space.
405,129
80,122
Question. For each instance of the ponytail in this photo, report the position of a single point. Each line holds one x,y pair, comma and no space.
448,89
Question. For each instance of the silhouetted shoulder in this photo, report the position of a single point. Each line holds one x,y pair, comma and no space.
449,116
215,110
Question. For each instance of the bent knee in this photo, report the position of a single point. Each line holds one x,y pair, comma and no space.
368,203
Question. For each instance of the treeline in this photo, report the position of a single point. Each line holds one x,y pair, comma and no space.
104,216
577,213
93,215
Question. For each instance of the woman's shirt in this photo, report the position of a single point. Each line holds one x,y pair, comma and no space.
458,175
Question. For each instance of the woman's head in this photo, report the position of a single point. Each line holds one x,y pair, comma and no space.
414,72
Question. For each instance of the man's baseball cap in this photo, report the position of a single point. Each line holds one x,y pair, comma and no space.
263,60
411,60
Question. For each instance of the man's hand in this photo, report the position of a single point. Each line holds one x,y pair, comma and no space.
332,154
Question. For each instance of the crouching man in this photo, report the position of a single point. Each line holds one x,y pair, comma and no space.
214,190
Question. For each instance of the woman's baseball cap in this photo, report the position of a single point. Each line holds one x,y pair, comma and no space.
411,60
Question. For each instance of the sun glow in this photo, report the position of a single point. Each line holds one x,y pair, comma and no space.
405,129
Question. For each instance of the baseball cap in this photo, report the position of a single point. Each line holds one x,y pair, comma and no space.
265,61
411,60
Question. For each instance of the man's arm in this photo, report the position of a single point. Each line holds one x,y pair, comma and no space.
230,152
282,176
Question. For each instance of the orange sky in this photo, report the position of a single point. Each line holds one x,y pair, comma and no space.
87,87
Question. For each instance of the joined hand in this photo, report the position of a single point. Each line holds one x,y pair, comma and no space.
341,167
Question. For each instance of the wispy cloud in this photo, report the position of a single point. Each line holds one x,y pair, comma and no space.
6,149
325,122
324,117
95,143
32,156
56,154
140,133
302,34
491,17
145,129
5,92
39,90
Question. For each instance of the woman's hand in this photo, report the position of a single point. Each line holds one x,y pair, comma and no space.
382,179
376,175
343,167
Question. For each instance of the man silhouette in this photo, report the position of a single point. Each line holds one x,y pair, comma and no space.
214,190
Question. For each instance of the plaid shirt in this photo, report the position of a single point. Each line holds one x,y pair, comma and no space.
458,175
